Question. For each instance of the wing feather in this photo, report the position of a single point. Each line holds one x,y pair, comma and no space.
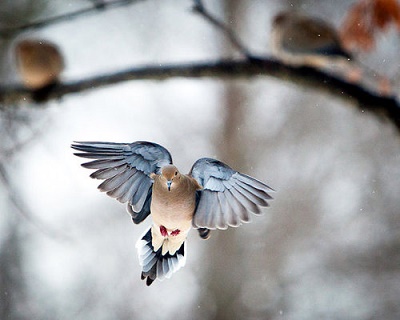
125,192
225,214
247,205
251,194
256,184
228,197
125,169
232,217
107,173
102,164
116,181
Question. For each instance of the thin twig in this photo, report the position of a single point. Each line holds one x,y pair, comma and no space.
18,146
199,8
98,5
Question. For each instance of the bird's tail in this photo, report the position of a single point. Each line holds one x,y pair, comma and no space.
154,263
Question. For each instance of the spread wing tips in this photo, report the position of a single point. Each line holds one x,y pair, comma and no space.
228,197
124,167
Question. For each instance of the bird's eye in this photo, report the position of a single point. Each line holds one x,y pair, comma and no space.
176,173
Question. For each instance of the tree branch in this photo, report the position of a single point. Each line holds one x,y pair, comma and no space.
254,67
365,99
98,5
306,76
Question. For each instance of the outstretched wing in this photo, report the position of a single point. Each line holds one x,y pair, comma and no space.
125,169
228,197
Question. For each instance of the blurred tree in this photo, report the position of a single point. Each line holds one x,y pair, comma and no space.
225,276
14,298
13,301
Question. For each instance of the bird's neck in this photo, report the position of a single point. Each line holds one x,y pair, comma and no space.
180,186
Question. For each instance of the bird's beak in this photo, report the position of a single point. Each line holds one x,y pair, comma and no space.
169,182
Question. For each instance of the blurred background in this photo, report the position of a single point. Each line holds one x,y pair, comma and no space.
327,248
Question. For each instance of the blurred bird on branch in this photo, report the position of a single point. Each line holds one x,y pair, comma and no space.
301,40
39,64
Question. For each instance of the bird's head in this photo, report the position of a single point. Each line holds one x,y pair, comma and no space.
170,174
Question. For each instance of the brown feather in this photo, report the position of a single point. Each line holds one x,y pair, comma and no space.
172,208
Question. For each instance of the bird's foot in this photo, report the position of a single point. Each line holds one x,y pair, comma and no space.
175,232
163,231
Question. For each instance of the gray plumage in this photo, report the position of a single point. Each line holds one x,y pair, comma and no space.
141,174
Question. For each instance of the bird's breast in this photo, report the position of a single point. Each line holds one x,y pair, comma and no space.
172,203
174,208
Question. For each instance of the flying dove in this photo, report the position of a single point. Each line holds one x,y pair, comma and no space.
141,174
39,63
302,40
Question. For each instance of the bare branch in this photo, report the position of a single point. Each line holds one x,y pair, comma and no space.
201,10
306,76
97,5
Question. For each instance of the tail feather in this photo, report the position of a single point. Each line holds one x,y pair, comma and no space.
154,263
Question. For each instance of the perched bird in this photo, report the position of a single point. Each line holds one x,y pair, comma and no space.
141,174
39,63
302,40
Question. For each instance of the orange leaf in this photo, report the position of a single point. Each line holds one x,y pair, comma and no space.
357,31
384,11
